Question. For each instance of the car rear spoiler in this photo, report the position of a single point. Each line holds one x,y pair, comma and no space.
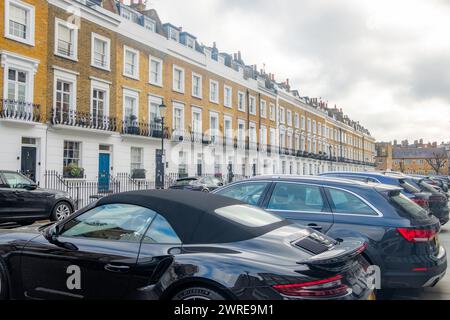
338,256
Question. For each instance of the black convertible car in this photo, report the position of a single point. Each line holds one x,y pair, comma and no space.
178,245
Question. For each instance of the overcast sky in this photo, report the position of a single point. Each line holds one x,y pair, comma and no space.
386,63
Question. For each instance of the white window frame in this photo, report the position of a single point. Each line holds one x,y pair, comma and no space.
67,77
229,103
263,109
132,94
263,135
239,140
74,28
136,52
30,24
252,105
149,22
104,86
174,88
160,71
228,135
200,89
216,100
141,160
11,60
241,94
252,134
272,111
296,120
95,36
282,115
178,106
289,117
200,112
214,133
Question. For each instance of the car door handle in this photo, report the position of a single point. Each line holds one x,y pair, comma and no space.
116,268
315,226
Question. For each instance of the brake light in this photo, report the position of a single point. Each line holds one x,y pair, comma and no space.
417,235
420,202
328,287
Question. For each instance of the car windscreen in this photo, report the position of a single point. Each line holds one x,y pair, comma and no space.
428,187
406,207
248,216
408,186
185,182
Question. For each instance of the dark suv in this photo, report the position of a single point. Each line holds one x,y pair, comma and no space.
402,236
23,202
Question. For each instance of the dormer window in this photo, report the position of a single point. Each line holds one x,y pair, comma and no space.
221,60
190,42
174,34
149,24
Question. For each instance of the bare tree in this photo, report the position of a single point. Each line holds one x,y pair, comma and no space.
438,161
402,165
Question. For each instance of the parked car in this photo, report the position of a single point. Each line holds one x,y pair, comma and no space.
181,245
439,181
403,239
23,202
205,184
424,199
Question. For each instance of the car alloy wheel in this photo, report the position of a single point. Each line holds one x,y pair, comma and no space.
62,211
198,293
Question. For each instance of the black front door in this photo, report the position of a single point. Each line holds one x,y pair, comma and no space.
28,162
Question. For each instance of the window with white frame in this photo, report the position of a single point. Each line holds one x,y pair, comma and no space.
178,118
174,34
303,123
302,143
263,135
66,39
289,140
296,120
178,79
309,145
241,132
72,154
19,21
149,24
228,128
99,102
252,133
17,87
137,158
214,127
263,108
309,125
100,54
272,111
289,117
156,71
241,101
272,137
319,128
190,42
197,121
154,115
282,115
130,107
214,91
252,105
227,96
182,164
65,85
297,142
130,62
197,85
314,129
282,139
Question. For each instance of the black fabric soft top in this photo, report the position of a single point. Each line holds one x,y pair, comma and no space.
192,214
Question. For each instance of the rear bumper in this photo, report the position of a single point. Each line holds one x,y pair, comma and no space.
442,214
418,279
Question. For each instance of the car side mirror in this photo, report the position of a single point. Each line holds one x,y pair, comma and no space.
31,187
52,234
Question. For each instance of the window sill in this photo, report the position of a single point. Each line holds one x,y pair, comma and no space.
66,57
100,67
215,102
197,97
160,85
229,107
21,40
178,91
130,76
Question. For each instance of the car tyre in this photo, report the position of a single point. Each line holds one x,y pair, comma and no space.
61,211
3,283
198,293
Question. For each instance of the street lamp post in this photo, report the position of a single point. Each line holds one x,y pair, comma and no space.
162,113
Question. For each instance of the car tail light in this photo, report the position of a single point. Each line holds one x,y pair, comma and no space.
417,235
329,287
420,202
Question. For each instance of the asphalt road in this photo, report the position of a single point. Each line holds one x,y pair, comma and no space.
439,292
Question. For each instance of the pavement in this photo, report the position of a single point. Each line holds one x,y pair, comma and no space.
439,292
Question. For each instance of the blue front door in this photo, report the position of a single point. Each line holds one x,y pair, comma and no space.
103,172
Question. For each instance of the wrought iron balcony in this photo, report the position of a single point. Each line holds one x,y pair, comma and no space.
85,120
19,110
143,129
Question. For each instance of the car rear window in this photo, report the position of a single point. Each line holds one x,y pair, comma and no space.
408,186
184,182
406,207
428,187
248,216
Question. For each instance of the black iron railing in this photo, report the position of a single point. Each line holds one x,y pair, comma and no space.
83,120
19,110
